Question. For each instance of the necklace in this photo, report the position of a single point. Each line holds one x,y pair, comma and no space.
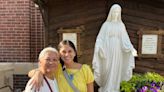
72,73
71,76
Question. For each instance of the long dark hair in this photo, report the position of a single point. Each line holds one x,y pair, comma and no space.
68,42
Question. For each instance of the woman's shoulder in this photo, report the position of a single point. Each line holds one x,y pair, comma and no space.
85,67
87,72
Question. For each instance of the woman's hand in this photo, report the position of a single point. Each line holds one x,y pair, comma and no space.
134,52
32,72
37,78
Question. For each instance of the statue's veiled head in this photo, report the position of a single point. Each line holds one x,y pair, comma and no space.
114,13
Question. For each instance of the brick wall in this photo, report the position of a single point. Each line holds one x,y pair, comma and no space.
21,36
21,31
14,28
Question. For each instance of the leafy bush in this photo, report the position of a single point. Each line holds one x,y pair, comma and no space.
149,82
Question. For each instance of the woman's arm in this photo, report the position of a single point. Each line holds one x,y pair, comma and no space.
36,77
90,87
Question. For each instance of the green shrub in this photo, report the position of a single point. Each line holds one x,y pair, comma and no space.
148,82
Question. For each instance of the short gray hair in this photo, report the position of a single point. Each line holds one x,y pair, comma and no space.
47,49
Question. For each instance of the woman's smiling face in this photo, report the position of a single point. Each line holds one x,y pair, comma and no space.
67,54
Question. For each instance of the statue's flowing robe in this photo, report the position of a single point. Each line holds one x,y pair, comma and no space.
113,60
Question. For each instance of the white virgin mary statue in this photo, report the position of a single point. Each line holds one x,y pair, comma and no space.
114,53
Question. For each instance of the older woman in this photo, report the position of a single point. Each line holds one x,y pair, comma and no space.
48,63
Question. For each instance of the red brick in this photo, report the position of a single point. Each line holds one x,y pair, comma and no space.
16,28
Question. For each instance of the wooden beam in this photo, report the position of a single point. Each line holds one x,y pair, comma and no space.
44,10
